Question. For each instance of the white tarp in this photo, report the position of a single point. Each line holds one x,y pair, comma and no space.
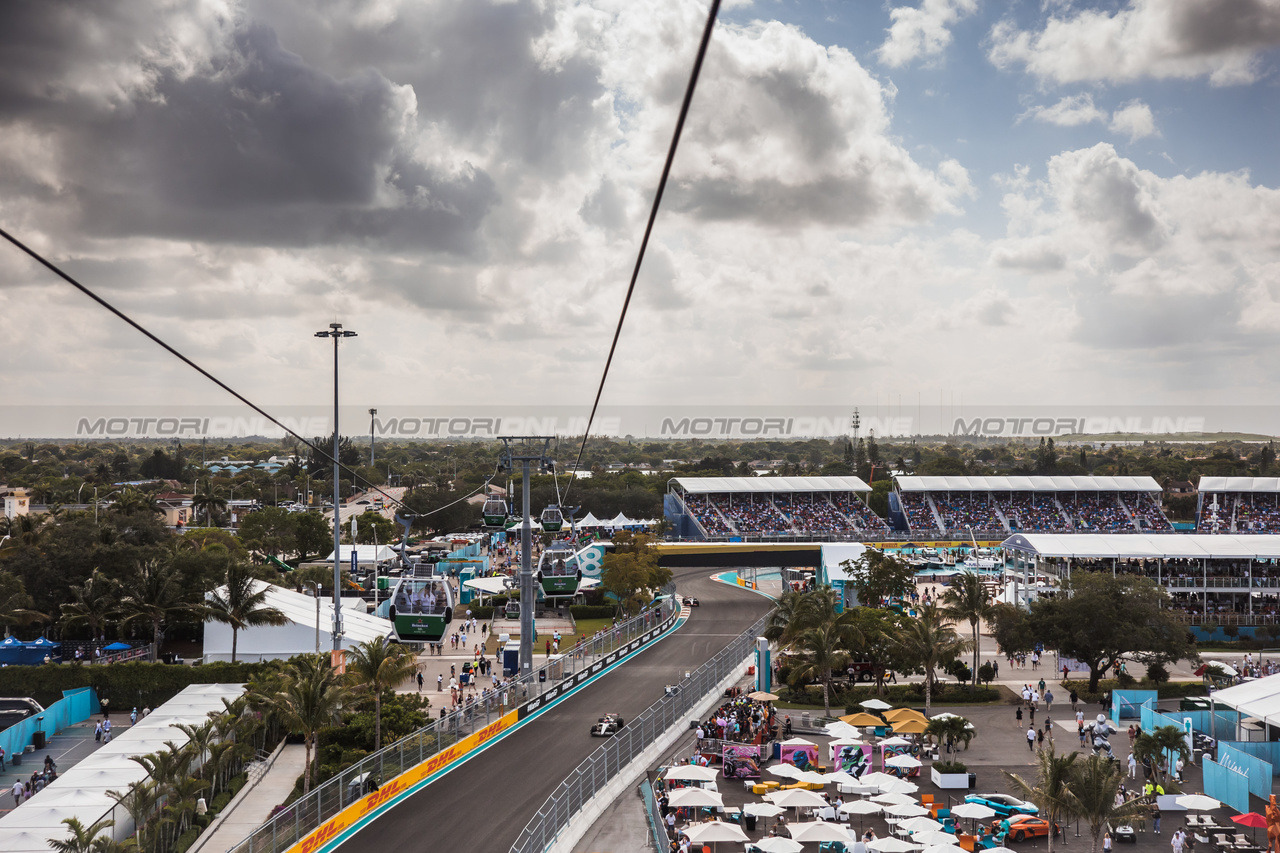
1259,698
1260,485
770,485
1168,546
365,554
1027,484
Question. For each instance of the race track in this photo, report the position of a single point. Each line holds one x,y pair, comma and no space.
482,806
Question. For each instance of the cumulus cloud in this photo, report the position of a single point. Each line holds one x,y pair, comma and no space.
1134,120
1217,39
923,31
1071,111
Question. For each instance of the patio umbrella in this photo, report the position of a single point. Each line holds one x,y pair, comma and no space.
813,778
797,798
900,713
920,824
1197,802
809,833
977,811
763,809
798,741
789,771
690,773
778,844
944,848
893,799
903,762
932,837
860,808
862,719
906,810
889,844
943,716
844,731
875,704
900,786
1252,819
883,781
761,696
713,831
694,798
894,741
910,727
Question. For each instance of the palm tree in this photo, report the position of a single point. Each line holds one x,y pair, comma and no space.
15,604
81,838
967,601
375,666
930,641
824,650
208,501
155,593
1154,747
183,798
311,697
92,603
1050,791
1093,784
241,604
140,802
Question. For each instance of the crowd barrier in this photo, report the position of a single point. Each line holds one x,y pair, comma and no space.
75,706
1226,784
612,758
314,822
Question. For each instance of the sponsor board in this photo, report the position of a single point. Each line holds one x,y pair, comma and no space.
366,805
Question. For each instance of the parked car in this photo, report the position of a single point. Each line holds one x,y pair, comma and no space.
1003,804
1024,826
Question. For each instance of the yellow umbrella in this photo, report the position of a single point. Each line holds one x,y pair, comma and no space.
862,719
910,727
899,713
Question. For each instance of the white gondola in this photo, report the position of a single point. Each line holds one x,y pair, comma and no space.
552,520
494,512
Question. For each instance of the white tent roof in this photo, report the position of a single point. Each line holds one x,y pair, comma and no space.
589,521
1265,485
833,554
620,520
364,553
1148,546
1027,484
81,791
1259,698
770,485
489,586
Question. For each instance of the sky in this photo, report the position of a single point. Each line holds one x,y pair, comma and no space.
1031,203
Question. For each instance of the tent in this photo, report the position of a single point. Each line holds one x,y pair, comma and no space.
589,521
365,554
620,520
117,647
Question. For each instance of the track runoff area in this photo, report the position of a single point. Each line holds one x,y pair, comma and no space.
483,804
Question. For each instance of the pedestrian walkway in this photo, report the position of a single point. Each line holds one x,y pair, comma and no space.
67,748
252,810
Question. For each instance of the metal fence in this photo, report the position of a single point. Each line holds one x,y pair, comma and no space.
603,765
305,814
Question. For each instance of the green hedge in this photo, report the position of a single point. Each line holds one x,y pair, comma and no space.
120,682
478,611
1168,690
219,802
591,611
186,840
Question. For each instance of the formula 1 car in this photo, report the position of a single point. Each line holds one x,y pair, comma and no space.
690,601
609,724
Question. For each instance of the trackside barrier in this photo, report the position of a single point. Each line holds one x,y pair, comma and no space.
612,758
313,821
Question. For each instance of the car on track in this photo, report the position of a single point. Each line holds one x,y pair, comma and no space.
690,601
1003,804
609,724
1024,826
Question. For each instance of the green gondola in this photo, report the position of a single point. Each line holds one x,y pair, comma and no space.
421,608
558,572
552,520
494,512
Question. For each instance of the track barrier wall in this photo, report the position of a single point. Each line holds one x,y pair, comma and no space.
613,757
316,821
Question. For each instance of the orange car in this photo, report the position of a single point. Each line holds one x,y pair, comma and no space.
1022,827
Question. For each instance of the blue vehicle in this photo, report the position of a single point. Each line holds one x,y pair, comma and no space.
1003,804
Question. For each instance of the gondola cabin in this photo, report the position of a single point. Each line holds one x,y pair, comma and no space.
494,512
551,519
421,608
558,571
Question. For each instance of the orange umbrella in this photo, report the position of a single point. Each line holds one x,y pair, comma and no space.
862,719
910,727
900,713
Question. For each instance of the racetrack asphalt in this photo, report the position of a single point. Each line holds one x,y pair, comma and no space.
483,805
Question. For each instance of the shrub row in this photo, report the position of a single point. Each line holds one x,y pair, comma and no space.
592,611
1167,690
122,683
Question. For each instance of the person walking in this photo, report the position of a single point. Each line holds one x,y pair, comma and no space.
1,757
421,680
1017,715
17,792
1041,687
1075,699
97,732
1155,818
1031,739
1133,766
1106,843
1048,702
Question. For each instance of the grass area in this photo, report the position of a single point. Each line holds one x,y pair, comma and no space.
585,626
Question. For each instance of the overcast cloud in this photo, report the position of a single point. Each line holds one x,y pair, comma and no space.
464,182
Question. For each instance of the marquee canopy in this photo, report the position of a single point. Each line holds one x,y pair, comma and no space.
1259,698
1027,484
1150,546
769,485
1262,485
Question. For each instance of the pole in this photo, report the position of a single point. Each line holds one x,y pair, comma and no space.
337,523
527,599
373,422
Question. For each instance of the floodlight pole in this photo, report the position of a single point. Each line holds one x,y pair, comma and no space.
525,450
336,332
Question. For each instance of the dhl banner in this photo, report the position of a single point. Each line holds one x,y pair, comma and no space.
405,782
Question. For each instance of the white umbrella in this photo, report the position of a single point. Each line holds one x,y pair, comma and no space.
861,807
778,844
813,778
901,786
932,836
906,810
903,761
789,771
797,798
694,797
889,844
880,780
1197,802
840,777
944,848
977,811
763,809
945,715
843,730
808,833
798,741
716,830
690,773
875,705
920,824
896,740
893,799
999,850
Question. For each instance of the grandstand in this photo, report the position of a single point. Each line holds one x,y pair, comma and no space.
1238,505
998,506
771,508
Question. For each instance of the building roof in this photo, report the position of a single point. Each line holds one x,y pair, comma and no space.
1027,484
1259,698
769,485
1139,546
1267,485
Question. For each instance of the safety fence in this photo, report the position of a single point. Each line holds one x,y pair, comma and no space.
451,737
75,706
603,765
1226,784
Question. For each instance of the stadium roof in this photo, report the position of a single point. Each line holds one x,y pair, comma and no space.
1269,485
768,485
1028,484
1139,546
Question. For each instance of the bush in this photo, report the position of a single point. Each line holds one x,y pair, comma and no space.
912,695
149,684
219,802
478,611
237,783
588,611
1168,690
950,767
186,840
